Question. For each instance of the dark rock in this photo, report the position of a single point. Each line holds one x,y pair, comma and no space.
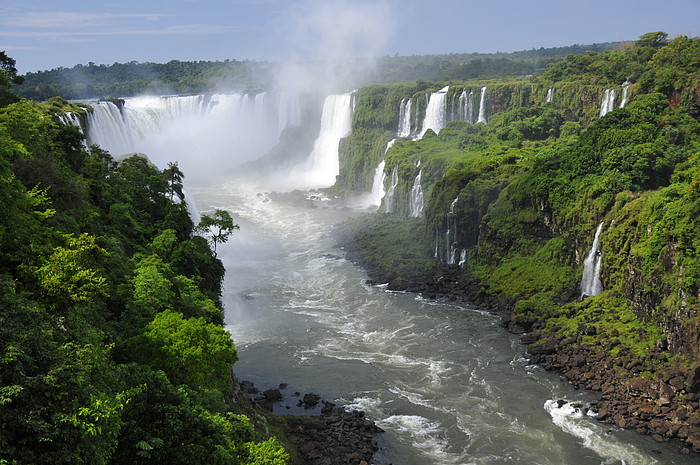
272,395
311,399
248,387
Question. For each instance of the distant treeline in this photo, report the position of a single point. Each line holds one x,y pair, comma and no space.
183,77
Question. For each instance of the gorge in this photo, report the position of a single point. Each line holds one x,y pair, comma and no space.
498,270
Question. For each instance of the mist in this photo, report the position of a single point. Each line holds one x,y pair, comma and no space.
282,138
330,46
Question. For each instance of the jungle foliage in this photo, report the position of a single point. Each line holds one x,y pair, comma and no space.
522,195
112,349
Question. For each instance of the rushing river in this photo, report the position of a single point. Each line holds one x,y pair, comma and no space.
444,381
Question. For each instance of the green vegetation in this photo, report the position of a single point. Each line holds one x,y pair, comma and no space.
523,194
112,348
184,77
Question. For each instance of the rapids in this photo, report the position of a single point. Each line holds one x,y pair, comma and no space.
447,384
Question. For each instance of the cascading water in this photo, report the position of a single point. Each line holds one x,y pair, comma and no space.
378,192
416,200
463,258
443,380
404,118
223,129
389,200
608,103
435,113
482,107
70,119
625,91
550,94
451,234
590,281
322,166
466,106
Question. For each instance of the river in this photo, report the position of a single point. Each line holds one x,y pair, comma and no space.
444,381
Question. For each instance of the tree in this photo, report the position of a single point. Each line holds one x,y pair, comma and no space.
174,177
8,78
189,350
220,226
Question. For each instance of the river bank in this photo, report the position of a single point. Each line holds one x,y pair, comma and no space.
648,393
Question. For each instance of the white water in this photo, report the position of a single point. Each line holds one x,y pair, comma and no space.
608,103
550,95
322,166
223,129
466,107
590,281
448,385
482,106
435,113
389,201
625,91
404,118
416,200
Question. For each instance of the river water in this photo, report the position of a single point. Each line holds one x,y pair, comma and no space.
444,381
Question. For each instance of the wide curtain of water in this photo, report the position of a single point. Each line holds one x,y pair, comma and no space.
445,382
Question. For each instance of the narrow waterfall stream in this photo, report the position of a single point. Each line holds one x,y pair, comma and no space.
447,384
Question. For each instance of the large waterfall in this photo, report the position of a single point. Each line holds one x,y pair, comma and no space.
590,281
322,166
435,113
198,131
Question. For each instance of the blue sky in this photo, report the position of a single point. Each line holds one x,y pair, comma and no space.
45,34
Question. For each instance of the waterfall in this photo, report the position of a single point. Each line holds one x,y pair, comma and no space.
377,194
590,281
550,94
482,106
70,119
416,200
608,103
322,166
463,258
435,113
466,107
404,118
625,90
110,129
289,114
389,197
198,131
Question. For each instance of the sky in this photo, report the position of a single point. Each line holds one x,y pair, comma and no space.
47,34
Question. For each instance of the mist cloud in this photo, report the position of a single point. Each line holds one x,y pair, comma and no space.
331,43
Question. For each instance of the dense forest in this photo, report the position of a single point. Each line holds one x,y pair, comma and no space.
111,337
512,207
112,348
185,77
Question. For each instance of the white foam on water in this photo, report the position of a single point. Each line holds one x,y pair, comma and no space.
425,435
575,421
